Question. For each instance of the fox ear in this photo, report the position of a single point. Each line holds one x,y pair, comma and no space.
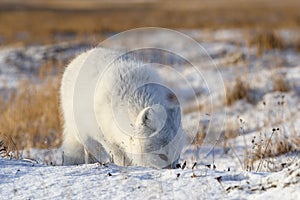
153,117
144,117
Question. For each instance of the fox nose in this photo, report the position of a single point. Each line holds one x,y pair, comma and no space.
172,165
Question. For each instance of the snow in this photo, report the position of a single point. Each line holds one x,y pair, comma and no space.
278,177
26,180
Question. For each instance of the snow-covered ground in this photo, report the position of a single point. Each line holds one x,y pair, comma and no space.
26,180
227,169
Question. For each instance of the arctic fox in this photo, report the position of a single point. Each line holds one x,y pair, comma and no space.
136,122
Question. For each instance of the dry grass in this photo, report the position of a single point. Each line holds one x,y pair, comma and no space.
199,137
8,148
240,90
262,151
280,84
266,147
298,45
231,131
266,40
272,142
41,20
30,116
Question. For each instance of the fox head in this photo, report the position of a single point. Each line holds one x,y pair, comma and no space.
158,128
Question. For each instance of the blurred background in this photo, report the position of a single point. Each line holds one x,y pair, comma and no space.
255,43
44,21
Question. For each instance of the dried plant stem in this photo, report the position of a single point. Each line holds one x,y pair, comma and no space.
269,141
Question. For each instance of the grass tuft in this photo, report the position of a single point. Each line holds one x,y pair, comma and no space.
30,116
240,90
280,84
266,40
8,148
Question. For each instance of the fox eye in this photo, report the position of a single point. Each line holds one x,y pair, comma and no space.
146,117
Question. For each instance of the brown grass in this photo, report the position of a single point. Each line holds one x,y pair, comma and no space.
266,147
231,130
273,142
266,40
240,90
199,137
8,148
280,84
41,20
298,45
30,116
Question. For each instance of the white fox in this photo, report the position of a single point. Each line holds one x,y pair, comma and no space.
136,122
